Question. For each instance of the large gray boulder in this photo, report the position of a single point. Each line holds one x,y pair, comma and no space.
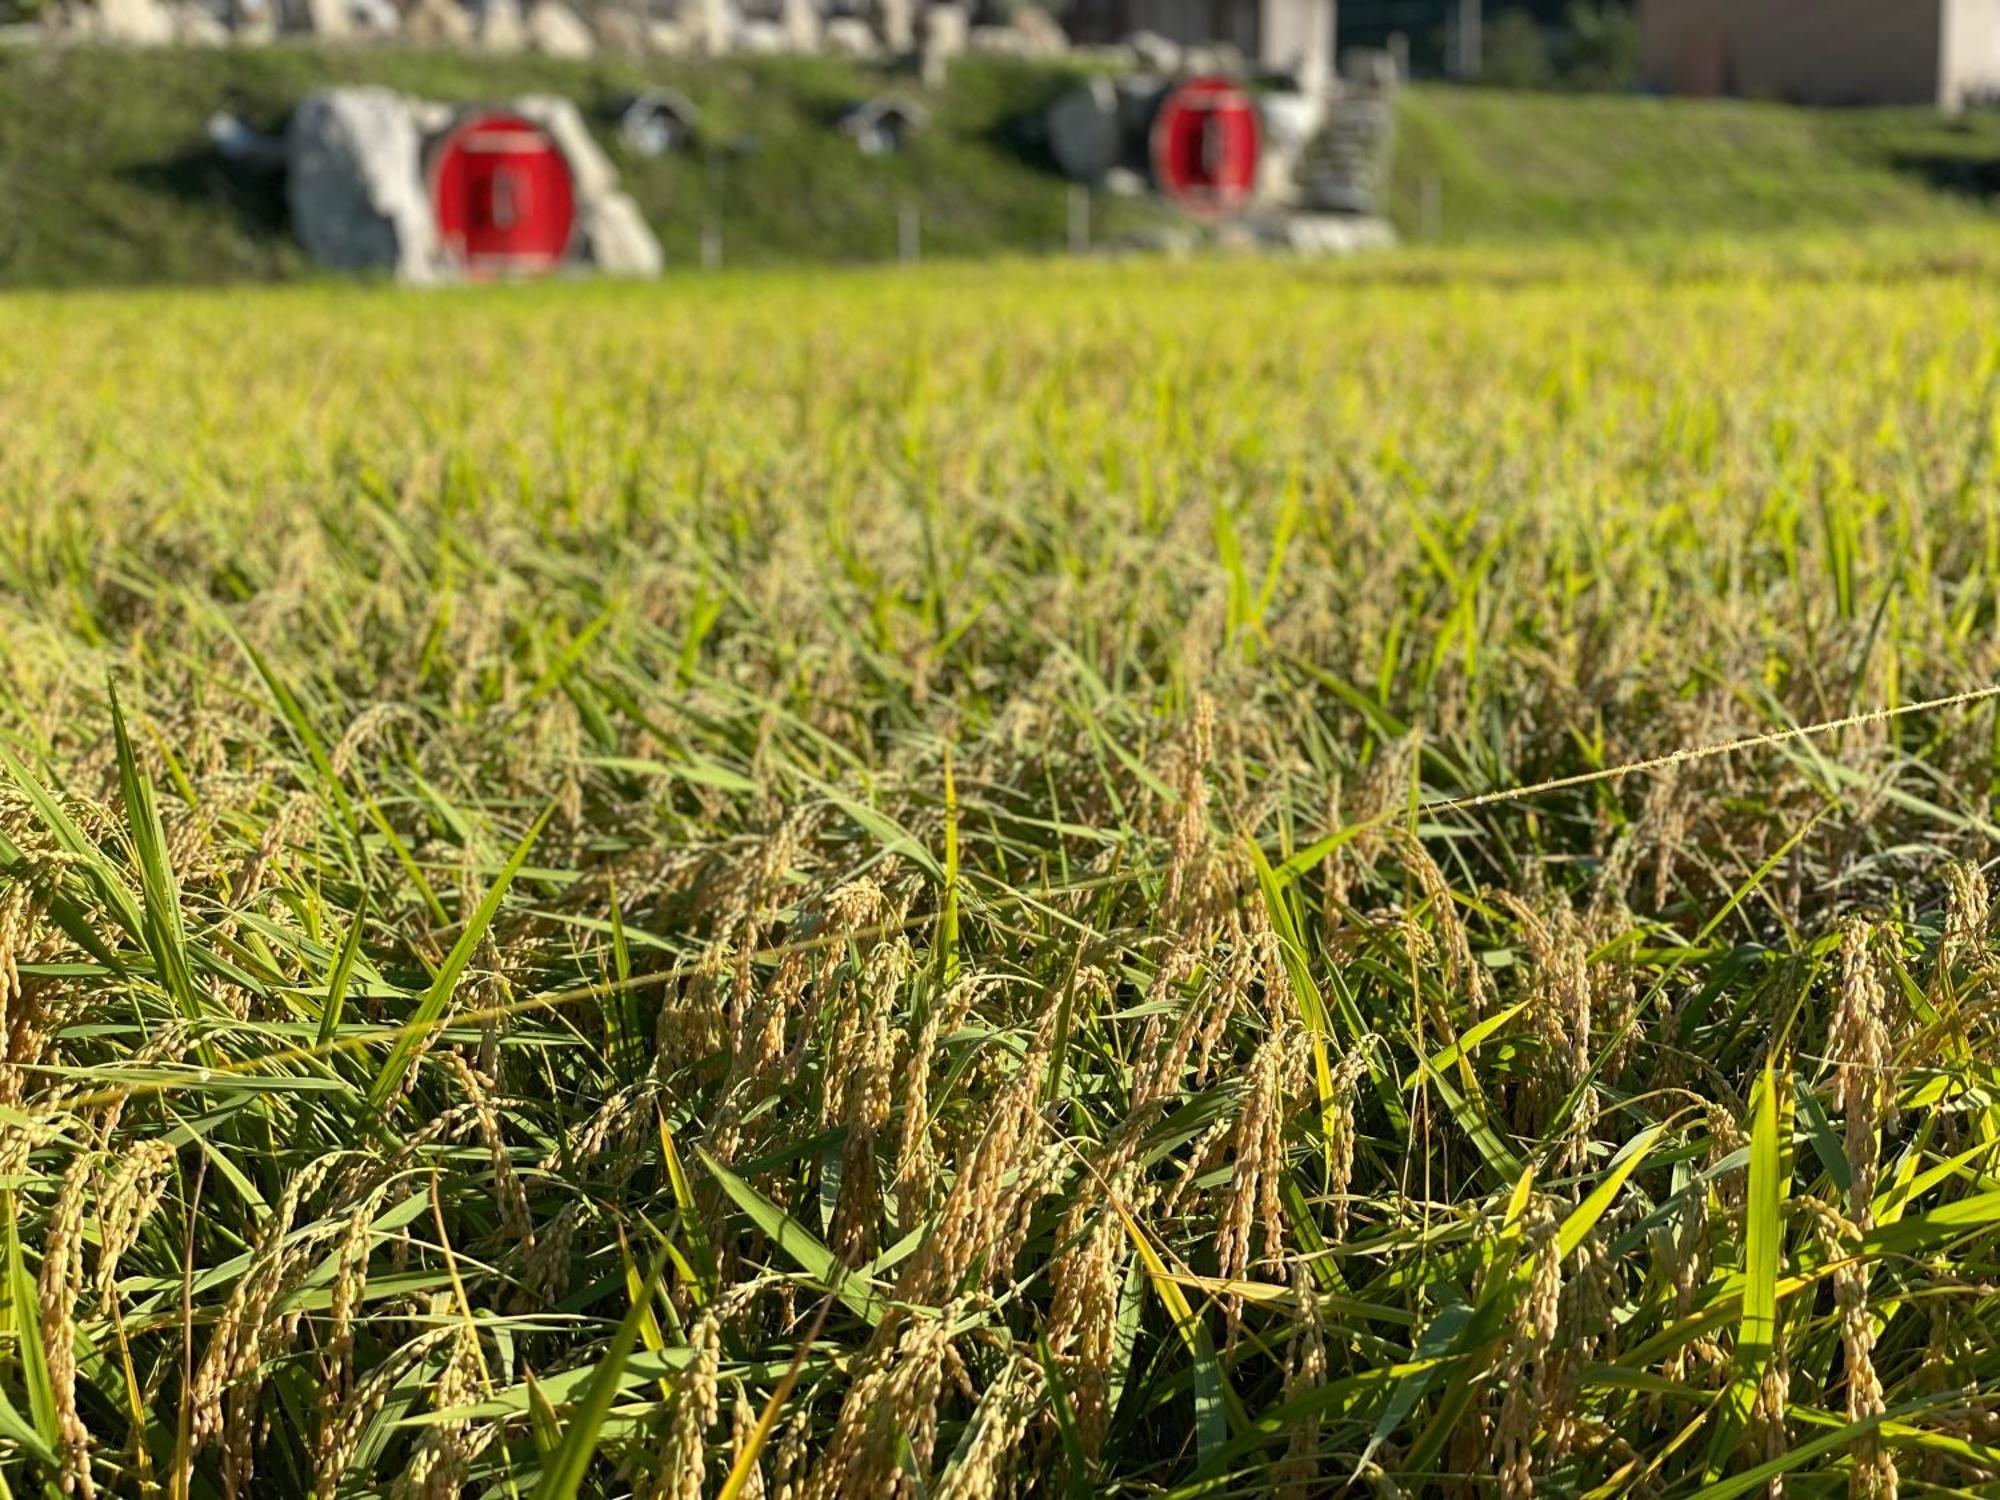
356,185
1086,136
360,199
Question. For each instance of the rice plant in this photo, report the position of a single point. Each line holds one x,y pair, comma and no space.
897,885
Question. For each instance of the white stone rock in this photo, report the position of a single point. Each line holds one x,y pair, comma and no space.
438,23
803,25
994,41
1041,34
1123,182
1083,129
669,38
1290,120
621,29
432,118
1213,57
355,184
658,122
850,36
1324,234
252,21
329,20
712,25
896,21
590,169
195,25
947,32
501,27
139,23
1154,52
554,30
761,38
617,238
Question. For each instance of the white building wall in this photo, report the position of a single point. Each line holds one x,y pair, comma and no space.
1296,36
1971,52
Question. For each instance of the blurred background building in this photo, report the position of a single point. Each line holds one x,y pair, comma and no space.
1942,52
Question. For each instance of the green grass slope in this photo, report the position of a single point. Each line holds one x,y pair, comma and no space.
1508,165
105,175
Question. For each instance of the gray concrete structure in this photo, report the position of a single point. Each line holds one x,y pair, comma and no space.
1939,52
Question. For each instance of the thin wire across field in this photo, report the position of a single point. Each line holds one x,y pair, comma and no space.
555,999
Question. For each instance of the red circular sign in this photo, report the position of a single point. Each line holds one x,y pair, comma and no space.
1205,144
503,196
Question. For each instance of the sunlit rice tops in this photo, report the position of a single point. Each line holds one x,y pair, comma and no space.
815,888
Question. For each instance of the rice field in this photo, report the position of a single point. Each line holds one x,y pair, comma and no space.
944,885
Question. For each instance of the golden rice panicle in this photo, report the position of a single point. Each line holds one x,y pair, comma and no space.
350,1286
1462,975
1967,918
1341,1135
1190,832
696,1408
130,1194
1003,1171
251,1333
442,1458
916,1181
862,1044
1276,1075
1859,1047
1522,1413
892,1402
1298,1474
516,1220
1086,1282
58,1289
1874,1475
743,1423
985,1470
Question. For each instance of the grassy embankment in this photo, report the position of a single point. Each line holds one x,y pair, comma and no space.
105,175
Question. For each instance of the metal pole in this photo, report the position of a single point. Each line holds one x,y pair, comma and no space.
711,227
909,234
1079,219
1471,46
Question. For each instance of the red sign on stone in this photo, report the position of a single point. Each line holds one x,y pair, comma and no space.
505,202
1205,144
